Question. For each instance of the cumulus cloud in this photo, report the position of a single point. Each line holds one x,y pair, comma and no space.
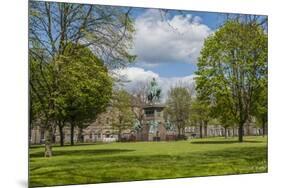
177,39
135,75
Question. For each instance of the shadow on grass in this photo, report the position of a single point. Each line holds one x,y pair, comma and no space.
225,142
67,145
147,167
82,152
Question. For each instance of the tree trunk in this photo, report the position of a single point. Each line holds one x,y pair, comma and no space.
119,136
80,135
48,141
54,135
225,133
61,134
263,128
30,133
201,131
179,131
240,132
72,133
206,129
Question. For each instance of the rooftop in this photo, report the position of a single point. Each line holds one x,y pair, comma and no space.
154,106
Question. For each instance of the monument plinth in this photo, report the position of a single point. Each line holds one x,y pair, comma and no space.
154,127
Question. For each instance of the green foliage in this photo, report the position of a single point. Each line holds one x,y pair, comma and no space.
261,107
177,109
84,84
40,86
121,111
74,87
68,82
200,112
232,70
76,82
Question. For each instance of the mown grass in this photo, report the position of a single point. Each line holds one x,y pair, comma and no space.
147,160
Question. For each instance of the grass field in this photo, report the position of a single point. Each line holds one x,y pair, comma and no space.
147,160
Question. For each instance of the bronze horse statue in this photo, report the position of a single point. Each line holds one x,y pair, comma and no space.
154,91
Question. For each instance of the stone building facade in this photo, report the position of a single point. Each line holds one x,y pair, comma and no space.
153,129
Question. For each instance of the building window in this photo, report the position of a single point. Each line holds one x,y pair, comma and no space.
149,113
107,134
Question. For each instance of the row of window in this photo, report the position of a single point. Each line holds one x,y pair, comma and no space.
150,113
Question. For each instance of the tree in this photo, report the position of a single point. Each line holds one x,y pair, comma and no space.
139,100
122,114
81,91
260,20
200,114
232,65
54,29
225,121
61,125
85,86
177,109
42,95
261,106
107,30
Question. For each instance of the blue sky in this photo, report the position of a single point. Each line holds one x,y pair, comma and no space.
212,19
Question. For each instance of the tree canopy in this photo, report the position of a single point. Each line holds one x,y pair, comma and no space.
122,114
106,30
177,109
231,70
77,87
71,49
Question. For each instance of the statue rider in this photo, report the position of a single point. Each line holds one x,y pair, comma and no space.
154,91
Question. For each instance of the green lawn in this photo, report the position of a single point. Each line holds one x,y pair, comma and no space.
147,160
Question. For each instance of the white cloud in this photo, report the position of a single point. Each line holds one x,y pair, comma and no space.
134,75
178,39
